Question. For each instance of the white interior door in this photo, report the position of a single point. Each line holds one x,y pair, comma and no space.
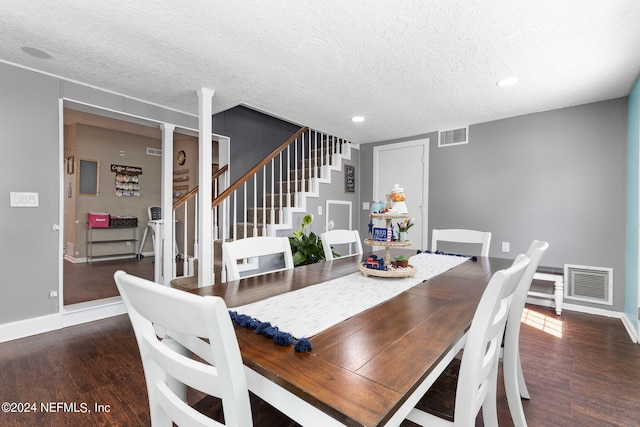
406,164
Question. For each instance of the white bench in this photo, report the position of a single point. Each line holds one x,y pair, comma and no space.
557,294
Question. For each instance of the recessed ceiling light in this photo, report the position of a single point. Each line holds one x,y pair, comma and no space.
36,52
507,82
358,119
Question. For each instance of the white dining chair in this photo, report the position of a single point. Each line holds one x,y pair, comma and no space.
514,382
340,237
477,379
188,324
458,235
255,247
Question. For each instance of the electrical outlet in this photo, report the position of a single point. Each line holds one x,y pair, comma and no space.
53,294
319,210
506,247
365,206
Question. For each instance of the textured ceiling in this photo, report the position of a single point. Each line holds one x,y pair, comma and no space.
409,67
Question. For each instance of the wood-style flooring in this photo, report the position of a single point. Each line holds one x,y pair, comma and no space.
84,282
581,370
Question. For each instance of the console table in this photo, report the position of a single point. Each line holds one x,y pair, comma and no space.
101,239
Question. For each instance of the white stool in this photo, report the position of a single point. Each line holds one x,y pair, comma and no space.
558,289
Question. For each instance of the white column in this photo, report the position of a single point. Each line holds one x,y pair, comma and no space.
164,238
205,234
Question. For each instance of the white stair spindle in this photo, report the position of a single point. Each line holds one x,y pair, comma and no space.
264,201
273,184
255,204
244,211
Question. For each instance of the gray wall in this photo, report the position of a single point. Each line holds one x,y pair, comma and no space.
29,250
557,176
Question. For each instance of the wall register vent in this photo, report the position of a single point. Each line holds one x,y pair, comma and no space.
154,151
589,284
447,138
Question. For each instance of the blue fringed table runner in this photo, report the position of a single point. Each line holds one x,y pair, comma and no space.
311,310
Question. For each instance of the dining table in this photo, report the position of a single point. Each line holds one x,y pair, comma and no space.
371,368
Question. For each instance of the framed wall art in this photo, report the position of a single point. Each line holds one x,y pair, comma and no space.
349,179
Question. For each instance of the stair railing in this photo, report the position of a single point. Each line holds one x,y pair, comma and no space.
261,201
274,185
190,201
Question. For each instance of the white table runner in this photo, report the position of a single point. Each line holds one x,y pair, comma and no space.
308,311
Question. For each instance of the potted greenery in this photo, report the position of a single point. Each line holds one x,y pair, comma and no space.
306,246
403,228
401,261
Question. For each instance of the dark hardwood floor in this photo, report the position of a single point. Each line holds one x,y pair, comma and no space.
581,370
88,282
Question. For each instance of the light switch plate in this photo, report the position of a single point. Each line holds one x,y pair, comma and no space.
23,200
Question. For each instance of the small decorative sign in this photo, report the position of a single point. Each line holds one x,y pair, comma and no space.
126,170
381,234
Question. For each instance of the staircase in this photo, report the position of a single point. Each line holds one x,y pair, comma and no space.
269,199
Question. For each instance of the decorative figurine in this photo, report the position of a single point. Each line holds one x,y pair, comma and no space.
398,200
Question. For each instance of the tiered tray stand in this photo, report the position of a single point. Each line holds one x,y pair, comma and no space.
404,272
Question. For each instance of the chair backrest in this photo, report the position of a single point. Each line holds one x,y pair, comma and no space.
155,213
458,235
188,320
254,247
340,237
477,381
535,252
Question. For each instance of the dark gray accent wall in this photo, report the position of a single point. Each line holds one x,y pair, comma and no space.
558,176
253,135
29,113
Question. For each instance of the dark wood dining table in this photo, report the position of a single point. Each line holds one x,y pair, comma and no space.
371,369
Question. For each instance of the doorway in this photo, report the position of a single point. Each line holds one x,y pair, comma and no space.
406,164
110,139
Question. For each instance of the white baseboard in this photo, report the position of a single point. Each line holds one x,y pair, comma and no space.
71,315
27,327
630,327
93,310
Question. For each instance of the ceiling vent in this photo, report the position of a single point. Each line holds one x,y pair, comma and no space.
154,151
589,284
459,136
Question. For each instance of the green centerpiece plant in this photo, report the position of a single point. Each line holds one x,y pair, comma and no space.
306,246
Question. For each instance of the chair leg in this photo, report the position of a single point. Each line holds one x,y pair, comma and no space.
511,370
522,385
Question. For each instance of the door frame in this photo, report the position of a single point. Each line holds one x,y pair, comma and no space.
424,143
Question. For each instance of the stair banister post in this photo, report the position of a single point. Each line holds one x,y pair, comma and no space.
205,151
164,258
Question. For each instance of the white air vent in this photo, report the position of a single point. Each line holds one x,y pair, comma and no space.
453,137
154,151
590,284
